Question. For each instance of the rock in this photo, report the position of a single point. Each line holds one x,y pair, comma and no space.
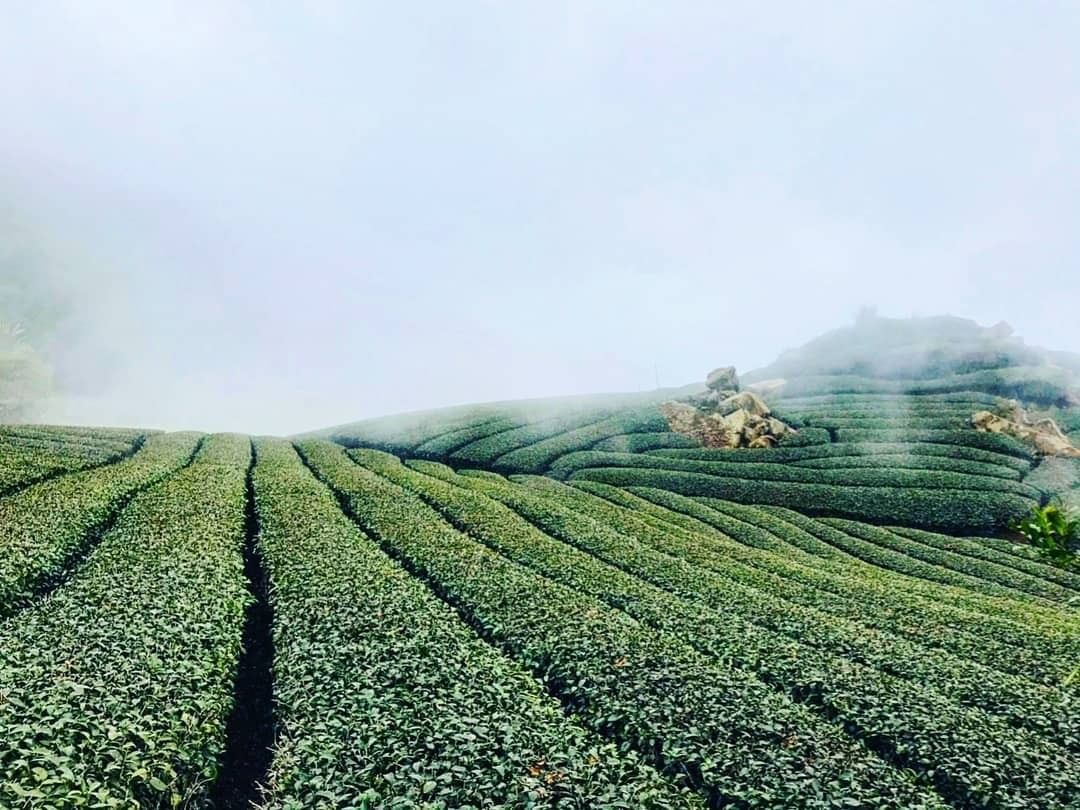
724,417
748,401
723,379
778,428
1044,434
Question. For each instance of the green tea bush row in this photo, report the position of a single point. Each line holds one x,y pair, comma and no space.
867,449
804,570
990,551
1034,384
892,423
925,478
78,447
1033,615
385,698
640,442
914,462
45,525
998,633
86,435
764,598
955,412
446,443
25,459
21,467
486,450
885,557
994,442
890,411
722,731
856,402
539,456
803,437
403,432
971,565
782,644
117,689
947,509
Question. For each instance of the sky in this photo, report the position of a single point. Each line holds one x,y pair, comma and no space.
279,216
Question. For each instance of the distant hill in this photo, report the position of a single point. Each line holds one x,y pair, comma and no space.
926,355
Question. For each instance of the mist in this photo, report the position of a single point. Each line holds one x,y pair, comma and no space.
277,217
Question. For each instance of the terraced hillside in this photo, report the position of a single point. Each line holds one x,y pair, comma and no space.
550,604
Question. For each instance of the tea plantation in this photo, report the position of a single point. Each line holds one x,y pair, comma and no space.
555,603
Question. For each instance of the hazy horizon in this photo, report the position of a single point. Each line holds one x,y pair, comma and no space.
280,219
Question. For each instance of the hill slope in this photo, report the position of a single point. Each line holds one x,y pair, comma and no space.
556,603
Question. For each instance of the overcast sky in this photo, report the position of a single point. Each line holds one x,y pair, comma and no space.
294,214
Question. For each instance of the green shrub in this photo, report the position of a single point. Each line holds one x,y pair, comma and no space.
386,699
721,730
806,437
1055,531
851,451
118,687
641,442
994,442
941,509
537,457
446,443
927,477
731,612
45,526
487,450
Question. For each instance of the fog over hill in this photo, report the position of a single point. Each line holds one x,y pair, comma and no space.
279,219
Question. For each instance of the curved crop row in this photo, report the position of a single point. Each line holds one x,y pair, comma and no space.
999,633
28,456
76,447
117,689
862,449
43,527
384,698
912,461
910,408
792,649
722,731
995,551
486,450
804,437
856,402
893,423
753,547
21,467
898,561
841,477
404,432
87,435
972,565
1032,613
537,457
1031,383
948,509
642,441
729,585
994,442
446,443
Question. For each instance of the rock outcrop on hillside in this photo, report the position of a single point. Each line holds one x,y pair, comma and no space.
1043,435
723,416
